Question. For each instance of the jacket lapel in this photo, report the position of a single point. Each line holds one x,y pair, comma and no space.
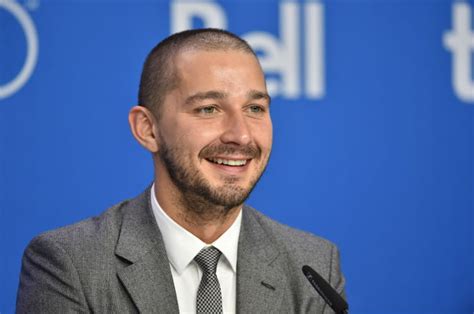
148,278
260,280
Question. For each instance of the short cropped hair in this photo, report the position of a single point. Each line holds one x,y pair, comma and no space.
159,74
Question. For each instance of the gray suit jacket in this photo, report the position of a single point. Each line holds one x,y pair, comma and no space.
116,263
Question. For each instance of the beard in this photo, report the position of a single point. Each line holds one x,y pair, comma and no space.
196,193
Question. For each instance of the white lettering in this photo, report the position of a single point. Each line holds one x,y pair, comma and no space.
271,58
183,12
314,52
460,41
280,57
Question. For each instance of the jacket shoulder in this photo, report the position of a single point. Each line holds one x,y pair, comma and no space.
66,269
86,233
292,238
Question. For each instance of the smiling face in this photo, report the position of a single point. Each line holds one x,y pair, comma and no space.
215,131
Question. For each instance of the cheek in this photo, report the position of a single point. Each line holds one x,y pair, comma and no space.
193,138
263,135
185,131
202,131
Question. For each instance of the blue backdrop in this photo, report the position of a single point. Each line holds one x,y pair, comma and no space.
373,113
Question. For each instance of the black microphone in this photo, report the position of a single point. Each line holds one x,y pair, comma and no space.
332,298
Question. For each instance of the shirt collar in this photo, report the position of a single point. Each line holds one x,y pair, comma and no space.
182,246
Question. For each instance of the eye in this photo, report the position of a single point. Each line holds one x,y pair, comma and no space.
206,110
258,109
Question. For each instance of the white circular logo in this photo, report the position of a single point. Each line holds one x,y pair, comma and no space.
32,48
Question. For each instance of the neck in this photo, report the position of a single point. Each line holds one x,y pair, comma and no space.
204,220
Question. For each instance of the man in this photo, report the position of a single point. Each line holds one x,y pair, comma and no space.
188,243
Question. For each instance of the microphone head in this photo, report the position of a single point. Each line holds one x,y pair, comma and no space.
325,290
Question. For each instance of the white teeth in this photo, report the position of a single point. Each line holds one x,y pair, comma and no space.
229,162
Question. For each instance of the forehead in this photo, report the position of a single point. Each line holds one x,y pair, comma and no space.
230,70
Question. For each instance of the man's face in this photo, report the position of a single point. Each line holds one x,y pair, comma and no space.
215,130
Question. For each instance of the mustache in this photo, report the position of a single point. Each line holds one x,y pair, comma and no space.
248,151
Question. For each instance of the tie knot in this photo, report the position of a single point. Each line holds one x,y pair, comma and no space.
207,259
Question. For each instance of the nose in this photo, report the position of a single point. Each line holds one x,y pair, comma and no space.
237,130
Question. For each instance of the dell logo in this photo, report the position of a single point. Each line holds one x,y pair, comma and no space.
291,77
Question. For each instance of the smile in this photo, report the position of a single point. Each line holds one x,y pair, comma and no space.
229,162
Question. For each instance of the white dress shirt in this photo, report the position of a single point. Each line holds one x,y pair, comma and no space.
182,246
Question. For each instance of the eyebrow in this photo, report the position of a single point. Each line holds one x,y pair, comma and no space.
218,95
256,95
204,96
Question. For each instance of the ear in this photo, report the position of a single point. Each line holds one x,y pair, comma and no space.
143,125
